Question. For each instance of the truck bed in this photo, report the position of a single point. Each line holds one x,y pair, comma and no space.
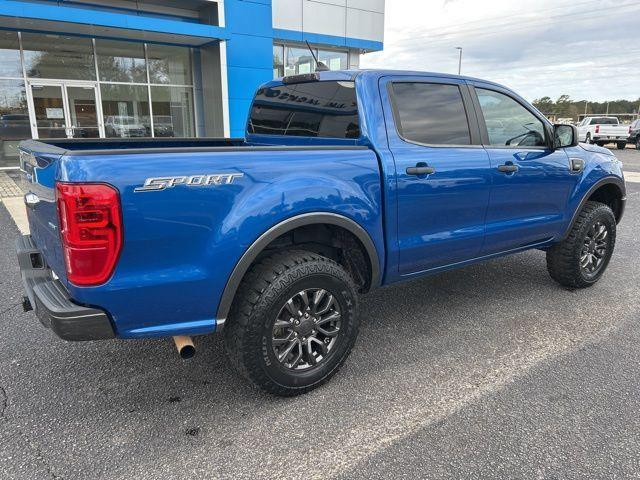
181,242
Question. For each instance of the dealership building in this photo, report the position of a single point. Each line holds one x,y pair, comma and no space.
162,68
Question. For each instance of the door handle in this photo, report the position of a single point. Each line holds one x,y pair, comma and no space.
422,170
508,168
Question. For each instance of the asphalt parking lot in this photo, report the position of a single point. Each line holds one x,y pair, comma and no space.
492,371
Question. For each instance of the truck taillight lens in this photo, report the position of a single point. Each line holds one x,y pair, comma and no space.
597,128
91,230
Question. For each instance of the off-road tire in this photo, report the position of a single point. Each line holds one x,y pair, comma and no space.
262,294
563,259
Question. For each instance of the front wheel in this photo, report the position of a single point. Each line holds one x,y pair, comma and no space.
638,143
588,139
581,259
621,145
293,323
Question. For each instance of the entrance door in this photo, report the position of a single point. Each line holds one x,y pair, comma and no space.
49,112
65,110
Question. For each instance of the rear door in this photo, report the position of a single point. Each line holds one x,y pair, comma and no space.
531,182
443,174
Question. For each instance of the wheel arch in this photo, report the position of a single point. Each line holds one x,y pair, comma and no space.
282,228
609,190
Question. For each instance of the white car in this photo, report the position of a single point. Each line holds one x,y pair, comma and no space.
601,130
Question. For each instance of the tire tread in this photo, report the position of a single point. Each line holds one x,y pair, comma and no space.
561,258
264,281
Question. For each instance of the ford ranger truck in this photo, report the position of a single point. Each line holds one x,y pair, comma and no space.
346,181
603,130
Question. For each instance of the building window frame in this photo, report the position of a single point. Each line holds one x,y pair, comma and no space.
98,82
284,46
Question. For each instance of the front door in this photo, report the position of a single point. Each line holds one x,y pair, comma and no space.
65,110
443,174
531,181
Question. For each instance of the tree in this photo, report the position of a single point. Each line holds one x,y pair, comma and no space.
544,104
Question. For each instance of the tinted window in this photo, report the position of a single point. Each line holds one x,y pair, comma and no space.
604,121
508,122
315,109
431,113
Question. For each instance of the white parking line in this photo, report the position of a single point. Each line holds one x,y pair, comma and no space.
632,177
15,207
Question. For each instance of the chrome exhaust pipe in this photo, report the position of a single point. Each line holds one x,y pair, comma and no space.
185,346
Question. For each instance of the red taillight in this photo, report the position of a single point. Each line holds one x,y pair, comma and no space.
91,230
597,128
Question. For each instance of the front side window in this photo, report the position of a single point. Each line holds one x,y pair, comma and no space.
508,122
316,109
431,113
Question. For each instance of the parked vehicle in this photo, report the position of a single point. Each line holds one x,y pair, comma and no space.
124,126
346,181
163,126
603,130
634,134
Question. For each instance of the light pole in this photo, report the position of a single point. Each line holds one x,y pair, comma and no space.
459,60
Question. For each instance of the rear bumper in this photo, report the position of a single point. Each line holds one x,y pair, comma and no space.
51,302
609,138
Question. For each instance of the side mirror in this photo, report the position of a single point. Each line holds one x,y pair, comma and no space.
564,136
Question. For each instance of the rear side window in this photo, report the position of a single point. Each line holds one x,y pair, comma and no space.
431,113
317,109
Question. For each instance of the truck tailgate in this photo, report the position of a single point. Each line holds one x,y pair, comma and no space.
38,171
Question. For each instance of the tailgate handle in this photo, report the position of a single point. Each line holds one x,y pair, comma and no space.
31,200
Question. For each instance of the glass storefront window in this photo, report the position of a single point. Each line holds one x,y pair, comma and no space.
172,111
278,61
58,56
169,65
10,65
289,60
14,120
126,111
299,61
121,61
334,60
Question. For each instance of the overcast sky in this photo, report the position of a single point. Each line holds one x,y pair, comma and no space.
584,48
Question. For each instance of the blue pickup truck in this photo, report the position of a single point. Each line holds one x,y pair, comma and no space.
346,181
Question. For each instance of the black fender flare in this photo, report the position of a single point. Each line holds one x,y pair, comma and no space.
281,228
617,181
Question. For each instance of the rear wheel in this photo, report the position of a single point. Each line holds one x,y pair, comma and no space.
582,258
294,322
588,139
622,145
